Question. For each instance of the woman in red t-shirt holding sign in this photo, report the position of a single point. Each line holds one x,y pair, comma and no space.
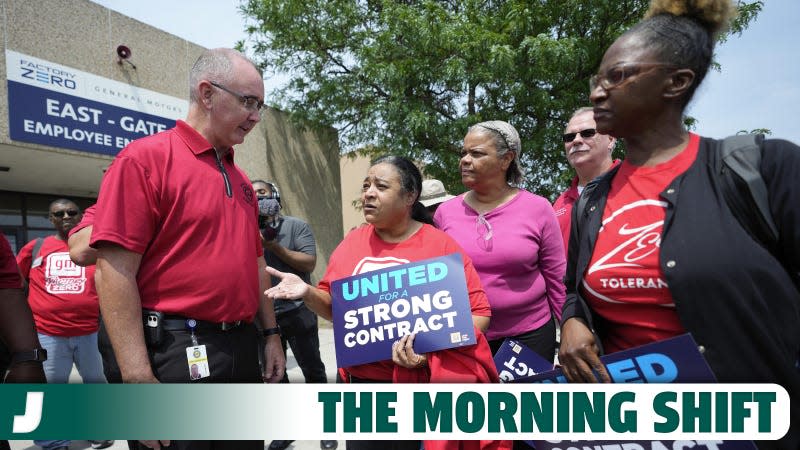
396,233
656,251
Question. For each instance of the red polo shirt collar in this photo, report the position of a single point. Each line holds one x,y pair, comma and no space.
195,141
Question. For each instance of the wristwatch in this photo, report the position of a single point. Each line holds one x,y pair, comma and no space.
270,331
37,354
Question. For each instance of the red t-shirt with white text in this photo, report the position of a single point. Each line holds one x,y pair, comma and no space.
61,293
363,251
624,283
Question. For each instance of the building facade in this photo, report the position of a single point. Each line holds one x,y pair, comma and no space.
80,81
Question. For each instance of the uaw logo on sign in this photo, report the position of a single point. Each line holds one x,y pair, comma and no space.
62,276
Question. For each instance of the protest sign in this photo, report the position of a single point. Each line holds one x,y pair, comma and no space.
372,310
515,360
674,360
695,444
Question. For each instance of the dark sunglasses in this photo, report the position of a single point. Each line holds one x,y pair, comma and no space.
587,133
68,212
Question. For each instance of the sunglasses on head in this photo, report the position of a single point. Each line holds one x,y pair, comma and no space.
587,133
68,212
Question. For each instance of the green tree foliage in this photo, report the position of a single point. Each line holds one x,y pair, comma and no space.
410,76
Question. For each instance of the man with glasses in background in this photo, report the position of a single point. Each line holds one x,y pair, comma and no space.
63,300
589,153
180,262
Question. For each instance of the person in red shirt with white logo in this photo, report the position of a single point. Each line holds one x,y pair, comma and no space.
63,299
589,153
180,260
657,251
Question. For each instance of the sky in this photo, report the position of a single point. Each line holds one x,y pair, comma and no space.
758,84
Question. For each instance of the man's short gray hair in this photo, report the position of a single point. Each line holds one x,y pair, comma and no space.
581,110
215,64
505,138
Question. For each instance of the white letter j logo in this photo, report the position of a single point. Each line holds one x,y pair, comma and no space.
33,413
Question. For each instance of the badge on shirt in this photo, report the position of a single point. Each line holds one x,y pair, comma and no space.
36,262
197,359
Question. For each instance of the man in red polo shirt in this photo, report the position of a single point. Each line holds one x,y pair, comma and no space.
589,152
180,261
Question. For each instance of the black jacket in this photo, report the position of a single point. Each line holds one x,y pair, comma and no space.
738,301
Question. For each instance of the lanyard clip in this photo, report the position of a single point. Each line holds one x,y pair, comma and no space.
191,325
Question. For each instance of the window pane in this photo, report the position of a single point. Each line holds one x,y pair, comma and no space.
38,210
33,234
12,241
10,209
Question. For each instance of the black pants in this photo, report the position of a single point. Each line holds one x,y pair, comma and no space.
300,330
5,359
110,366
212,445
376,445
232,358
541,340
382,445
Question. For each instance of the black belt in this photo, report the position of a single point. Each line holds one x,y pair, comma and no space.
175,323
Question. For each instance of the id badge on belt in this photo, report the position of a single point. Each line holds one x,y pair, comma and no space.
196,356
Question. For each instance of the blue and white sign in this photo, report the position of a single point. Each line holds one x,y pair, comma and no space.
515,360
58,106
696,444
674,360
372,310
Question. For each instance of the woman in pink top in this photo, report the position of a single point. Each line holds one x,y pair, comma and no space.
512,237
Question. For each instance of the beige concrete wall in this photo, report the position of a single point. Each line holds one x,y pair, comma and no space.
304,164
83,35
353,168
